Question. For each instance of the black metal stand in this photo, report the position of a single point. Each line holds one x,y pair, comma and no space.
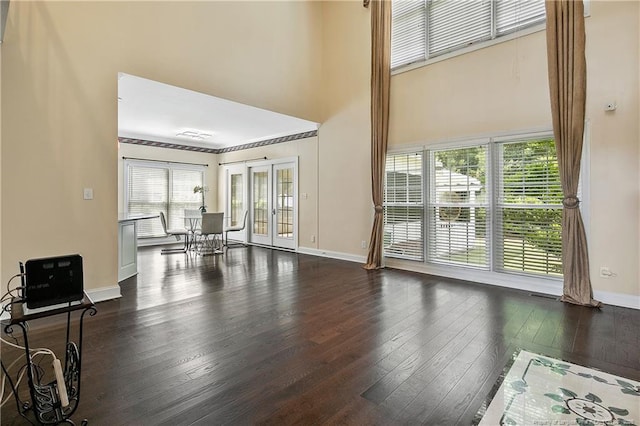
45,400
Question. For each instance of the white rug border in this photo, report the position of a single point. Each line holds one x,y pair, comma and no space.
509,364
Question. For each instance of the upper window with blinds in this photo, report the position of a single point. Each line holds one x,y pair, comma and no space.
424,29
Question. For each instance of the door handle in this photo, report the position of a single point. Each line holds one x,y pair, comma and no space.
273,212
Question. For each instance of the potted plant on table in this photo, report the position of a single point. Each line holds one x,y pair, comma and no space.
201,190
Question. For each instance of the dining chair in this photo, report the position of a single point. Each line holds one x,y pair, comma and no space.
210,233
176,233
236,228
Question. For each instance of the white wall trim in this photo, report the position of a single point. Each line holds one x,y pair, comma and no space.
617,299
515,281
104,293
332,254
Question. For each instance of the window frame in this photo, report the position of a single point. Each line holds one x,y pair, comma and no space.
495,39
515,279
421,205
158,164
485,142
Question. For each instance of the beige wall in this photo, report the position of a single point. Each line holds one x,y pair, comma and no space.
163,154
1,274
306,151
345,206
59,89
499,88
612,75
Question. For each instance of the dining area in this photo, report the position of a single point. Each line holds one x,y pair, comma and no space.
203,233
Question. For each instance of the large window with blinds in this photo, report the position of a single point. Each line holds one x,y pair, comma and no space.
424,29
494,205
161,187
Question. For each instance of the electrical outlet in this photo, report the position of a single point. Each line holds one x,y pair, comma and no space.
313,238
605,272
363,244
87,194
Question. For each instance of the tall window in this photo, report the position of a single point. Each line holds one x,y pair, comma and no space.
458,206
423,29
404,206
167,188
528,208
495,206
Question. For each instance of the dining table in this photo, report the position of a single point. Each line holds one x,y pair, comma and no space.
192,219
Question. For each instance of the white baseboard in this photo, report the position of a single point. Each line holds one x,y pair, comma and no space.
515,281
617,299
104,293
332,254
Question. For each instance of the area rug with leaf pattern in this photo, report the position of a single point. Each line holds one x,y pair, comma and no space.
538,390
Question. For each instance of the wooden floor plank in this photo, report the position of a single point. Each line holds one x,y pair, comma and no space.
260,336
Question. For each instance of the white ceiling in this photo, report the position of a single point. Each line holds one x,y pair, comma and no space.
159,112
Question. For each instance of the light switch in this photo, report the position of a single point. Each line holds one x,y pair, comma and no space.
88,194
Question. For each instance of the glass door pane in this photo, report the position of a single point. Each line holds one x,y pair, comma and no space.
260,205
284,203
236,195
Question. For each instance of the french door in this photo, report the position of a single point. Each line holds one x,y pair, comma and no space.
273,204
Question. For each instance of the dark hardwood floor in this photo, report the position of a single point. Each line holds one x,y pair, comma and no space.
259,336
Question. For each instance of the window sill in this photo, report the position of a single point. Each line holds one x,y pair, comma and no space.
547,285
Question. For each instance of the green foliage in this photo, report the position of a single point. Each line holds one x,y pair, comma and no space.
560,409
555,397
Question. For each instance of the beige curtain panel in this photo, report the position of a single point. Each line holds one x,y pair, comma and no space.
380,82
568,89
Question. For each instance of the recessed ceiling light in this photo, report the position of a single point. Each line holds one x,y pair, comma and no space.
193,134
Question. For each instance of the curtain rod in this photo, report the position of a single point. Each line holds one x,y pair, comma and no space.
241,161
164,161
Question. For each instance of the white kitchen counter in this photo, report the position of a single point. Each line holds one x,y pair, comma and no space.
128,244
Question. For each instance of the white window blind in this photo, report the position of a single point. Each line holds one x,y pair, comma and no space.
423,29
528,208
458,207
408,32
455,24
166,188
182,196
404,207
512,15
